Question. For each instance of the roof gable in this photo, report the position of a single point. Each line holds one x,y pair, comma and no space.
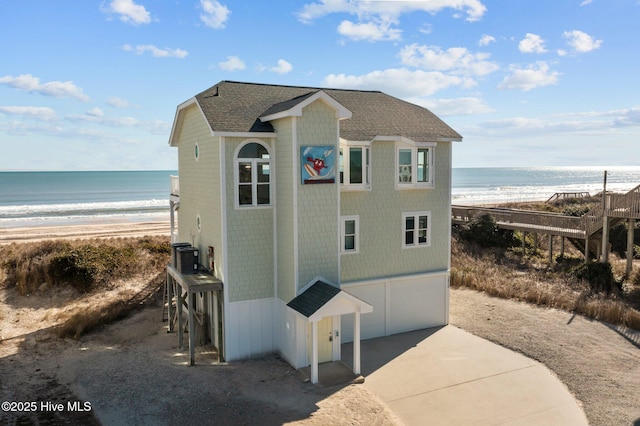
234,107
294,107
322,300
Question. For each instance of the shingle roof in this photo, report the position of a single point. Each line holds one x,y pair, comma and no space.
236,107
314,298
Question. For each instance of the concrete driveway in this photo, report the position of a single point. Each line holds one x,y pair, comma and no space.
446,376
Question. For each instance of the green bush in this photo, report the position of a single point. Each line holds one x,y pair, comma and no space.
599,276
81,264
483,231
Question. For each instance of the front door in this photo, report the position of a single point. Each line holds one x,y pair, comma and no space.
325,340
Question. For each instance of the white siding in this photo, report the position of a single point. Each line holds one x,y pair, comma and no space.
249,329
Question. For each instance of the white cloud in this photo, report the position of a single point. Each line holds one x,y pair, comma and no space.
283,67
586,2
155,51
456,59
534,76
369,31
399,82
581,42
457,106
117,102
129,11
486,39
388,11
57,89
233,63
101,119
37,113
95,112
532,43
215,15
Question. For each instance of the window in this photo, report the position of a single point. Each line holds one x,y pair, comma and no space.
354,167
253,175
196,151
349,234
416,229
414,166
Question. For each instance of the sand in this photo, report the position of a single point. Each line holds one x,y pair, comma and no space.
132,372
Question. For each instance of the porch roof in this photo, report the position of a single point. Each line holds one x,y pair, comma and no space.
322,300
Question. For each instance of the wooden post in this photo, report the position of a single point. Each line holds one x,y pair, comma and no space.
170,284
605,239
524,245
192,329
605,223
630,231
586,249
180,325
550,249
562,246
216,322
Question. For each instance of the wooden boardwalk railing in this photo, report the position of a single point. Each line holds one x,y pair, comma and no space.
589,227
564,195
524,220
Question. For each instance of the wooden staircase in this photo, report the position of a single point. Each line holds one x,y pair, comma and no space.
582,232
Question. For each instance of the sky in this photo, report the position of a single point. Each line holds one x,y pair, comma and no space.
94,85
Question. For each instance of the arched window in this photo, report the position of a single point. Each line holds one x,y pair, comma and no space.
253,175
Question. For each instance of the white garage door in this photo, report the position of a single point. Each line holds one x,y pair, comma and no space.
399,305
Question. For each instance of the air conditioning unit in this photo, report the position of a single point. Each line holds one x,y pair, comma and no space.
174,248
187,258
405,174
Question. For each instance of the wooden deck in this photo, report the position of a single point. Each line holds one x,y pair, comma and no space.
590,227
524,220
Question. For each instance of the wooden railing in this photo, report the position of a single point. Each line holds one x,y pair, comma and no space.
524,220
175,185
564,195
624,205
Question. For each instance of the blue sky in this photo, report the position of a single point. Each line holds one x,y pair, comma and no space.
93,85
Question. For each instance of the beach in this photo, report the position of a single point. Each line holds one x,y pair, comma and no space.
84,230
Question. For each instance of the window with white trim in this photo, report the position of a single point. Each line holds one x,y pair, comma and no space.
355,170
416,229
414,165
253,175
349,234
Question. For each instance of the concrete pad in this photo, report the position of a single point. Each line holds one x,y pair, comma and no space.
332,374
448,376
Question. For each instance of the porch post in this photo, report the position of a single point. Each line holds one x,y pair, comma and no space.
356,343
630,231
172,218
314,352
605,239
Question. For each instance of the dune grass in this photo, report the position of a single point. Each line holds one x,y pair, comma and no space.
502,272
109,277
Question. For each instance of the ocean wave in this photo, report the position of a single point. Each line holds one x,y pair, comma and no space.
71,210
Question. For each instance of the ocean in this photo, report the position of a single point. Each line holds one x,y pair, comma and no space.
55,198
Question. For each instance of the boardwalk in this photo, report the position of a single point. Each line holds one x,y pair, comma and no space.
590,231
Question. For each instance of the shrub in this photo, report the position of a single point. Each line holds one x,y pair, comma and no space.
81,264
483,231
599,276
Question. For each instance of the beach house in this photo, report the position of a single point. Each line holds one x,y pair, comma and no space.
324,213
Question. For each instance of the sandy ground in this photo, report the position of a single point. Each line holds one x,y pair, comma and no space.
86,230
132,372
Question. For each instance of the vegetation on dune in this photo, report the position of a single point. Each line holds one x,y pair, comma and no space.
89,267
489,259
